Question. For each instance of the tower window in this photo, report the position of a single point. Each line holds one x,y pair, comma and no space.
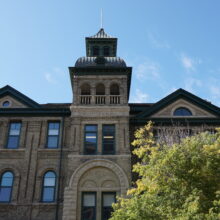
49,187
14,135
90,146
95,51
106,51
108,139
6,186
114,89
182,111
100,89
85,89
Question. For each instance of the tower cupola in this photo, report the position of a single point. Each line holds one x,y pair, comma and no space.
101,44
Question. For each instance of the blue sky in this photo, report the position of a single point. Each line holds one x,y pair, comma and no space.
170,44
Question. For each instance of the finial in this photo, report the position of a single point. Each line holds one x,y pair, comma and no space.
101,19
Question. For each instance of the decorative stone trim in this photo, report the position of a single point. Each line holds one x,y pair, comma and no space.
70,193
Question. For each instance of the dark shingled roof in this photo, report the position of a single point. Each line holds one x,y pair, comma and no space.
91,61
101,34
56,105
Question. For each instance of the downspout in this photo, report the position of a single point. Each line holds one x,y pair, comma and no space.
59,171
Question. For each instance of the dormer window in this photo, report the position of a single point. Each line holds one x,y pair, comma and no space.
106,51
95,51
182,111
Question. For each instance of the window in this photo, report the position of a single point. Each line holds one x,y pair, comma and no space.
106,51
53,134
49,187
108,139
6,186
108,198
14,135
100,89
114,89
90,139
182,112
95,51
6,104
88,206
85,89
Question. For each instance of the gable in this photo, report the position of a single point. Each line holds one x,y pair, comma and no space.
181,98
15,99
169,110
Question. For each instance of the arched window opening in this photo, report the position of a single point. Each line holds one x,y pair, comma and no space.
114,89
6,186
100,89
49,187
95,51
85,89
182,111
106,51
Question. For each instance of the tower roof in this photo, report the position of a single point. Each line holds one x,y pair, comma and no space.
101,34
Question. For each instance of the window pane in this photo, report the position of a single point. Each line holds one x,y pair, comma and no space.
90,139
88,213
48,194
7,181
182,112
108,139
54,125
5,194
52,142
91,128
49,181
88,200
89,206
108,199
15,126
13,142
106,213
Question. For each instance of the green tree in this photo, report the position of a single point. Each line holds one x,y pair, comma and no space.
179,181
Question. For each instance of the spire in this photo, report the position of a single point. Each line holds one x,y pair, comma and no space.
101,19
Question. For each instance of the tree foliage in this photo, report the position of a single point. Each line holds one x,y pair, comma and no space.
178,182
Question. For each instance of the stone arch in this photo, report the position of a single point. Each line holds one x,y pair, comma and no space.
70,194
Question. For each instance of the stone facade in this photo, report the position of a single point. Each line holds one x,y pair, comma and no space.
101,88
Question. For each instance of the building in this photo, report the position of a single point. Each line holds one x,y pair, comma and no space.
69,161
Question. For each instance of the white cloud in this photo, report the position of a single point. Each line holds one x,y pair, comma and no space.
140,97
189,63
148,70
191,83
157,43
49,78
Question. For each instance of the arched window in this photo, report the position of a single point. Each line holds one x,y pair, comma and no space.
95,51
182,111
49,187
85,89
100,89
6,186
114,89
106,51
